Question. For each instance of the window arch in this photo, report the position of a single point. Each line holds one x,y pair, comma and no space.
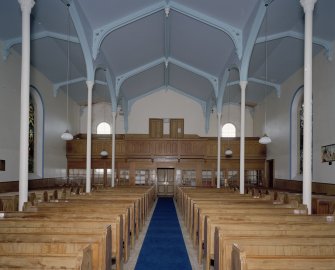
36,134
104,128
228,130
296,134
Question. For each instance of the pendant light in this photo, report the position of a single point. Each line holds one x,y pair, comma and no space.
228,152
265,139
67,136
104,153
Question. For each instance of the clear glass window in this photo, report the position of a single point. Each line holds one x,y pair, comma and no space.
228,130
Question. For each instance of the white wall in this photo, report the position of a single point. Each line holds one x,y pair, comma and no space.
55,120
278,120
166,104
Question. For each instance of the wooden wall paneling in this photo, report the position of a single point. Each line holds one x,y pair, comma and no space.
192,148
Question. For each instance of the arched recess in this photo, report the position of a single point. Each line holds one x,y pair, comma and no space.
296,103
37,101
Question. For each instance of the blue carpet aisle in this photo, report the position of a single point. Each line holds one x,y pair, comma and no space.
163,246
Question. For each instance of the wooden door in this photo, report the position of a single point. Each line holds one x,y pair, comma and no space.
165,182
176,128
155,128
269,173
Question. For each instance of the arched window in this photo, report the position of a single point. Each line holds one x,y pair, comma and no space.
228,130
31,159
301,136
297,134
36,134
103,128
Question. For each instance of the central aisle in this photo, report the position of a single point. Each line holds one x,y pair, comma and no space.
163,246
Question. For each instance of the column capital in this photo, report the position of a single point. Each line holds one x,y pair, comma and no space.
90,84
26,5
243,84
308,5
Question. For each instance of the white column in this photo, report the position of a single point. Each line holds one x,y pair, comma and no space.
26,6
113,149
243,85
89,135
308,6
219,152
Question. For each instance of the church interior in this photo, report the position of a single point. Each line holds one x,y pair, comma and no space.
167,134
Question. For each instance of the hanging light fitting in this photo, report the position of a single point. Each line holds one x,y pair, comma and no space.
265,139
67,136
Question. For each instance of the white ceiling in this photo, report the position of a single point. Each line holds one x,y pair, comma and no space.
142,48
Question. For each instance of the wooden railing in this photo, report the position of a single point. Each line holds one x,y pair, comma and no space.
139,146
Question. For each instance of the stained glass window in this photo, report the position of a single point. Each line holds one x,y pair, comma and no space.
301,137
31,138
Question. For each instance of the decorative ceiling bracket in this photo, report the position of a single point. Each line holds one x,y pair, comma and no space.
328,46
83,41
276,86
234,33
208,110
212,79
8,44
223,83
251,42
121,78
167,11
112,91
57,86
100,33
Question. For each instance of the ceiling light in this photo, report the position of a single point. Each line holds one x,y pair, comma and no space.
103,153
228,152
67,136
265,139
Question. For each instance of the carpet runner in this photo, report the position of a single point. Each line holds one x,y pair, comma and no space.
163,246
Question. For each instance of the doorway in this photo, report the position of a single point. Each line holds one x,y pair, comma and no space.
165,182
270,173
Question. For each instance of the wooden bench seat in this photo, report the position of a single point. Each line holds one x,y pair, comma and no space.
94,210
81,231
139,210
236,204
272,246
37,244
283,262
30,262
243,212
94,206
261,229
242,209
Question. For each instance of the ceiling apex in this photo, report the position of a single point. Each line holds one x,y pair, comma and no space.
167,11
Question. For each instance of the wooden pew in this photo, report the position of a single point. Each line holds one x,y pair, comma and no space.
272,246
138,199
244,262
100,203
206,233
228,207
91,210
27,261
274,230
71,230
